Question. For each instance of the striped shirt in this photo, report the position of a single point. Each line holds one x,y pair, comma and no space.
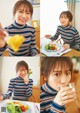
47,104
28,47
69,35
20,90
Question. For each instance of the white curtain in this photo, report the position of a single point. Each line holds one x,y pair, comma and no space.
71,7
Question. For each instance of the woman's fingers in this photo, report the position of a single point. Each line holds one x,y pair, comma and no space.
67,101
68,96
2,34
26,79
67,92
48,36
1,98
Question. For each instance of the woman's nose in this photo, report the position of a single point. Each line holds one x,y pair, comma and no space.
24,15
63,80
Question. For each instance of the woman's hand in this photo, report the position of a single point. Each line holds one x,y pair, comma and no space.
2,36
65,95
2,42
48,36
1,98
26,79
66,46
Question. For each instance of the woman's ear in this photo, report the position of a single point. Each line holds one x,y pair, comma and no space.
45,79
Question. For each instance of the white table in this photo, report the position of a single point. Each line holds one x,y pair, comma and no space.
35,107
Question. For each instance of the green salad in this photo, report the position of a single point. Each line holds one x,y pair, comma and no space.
13,109
50,47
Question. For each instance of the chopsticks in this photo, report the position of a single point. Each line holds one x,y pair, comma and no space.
36,108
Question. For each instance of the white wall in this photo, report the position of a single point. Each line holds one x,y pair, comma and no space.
77,16
8,69
6,12
49,15
36,12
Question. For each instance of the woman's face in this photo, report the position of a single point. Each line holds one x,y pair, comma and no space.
22,15
22,72
64,20
59,77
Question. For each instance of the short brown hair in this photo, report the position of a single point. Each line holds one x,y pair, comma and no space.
49,63
68,14
21,63
22,2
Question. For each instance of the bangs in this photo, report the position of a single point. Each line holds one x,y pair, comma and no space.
67,14
24,7
62,63
50,64
64,15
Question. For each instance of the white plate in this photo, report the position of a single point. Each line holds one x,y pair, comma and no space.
58,48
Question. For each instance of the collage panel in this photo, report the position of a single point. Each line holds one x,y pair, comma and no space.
19,27
19,84
60,85
40,56
60,31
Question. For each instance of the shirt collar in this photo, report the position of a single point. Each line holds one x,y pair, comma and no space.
48,89
67,27
18,25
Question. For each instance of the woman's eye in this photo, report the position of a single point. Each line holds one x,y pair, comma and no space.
28,13
57,74
66,18
68,73
21,11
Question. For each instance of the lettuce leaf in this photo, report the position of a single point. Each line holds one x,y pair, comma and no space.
10,108
13,109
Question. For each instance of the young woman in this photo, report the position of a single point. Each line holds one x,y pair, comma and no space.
68,33
22,13
21,86
55,93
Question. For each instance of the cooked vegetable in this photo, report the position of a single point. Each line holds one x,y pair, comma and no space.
10,108
50,47
16,107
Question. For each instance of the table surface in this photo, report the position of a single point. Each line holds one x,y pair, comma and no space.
35,107
72,53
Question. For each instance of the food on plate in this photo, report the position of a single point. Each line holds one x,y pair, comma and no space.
10,108
50,47
15,42
16,107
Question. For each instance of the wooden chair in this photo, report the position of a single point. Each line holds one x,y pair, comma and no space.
32,99
35,95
